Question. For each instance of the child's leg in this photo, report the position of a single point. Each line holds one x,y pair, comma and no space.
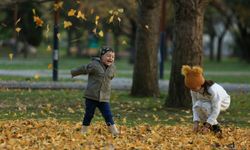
90,106
203,109
106,113
105,109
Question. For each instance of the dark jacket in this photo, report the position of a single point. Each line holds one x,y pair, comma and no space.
99,79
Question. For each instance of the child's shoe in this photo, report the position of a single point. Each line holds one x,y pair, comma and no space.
217,130
113,130
84,129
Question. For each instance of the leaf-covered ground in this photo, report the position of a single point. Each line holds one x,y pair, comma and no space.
54,134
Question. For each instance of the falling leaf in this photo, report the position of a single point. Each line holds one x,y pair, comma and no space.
97,19
18,20
111,19
111,12
37,76
119,19
50,66
71,12
100,33
38,21
11,56
124,42
18,29
49,48
67,24
58,36
58,6
121,10
81,15
34,11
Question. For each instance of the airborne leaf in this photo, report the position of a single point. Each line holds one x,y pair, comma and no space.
67,24
71,12
101,33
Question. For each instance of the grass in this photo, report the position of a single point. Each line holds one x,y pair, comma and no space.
229,70
127,110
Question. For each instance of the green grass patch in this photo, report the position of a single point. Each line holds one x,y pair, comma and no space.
127,110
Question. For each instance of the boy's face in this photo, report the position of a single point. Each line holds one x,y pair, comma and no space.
108,58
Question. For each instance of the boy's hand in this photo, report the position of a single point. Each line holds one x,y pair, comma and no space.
196,126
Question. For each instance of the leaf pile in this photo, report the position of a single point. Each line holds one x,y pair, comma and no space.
54,134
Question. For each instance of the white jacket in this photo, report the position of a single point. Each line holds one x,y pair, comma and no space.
219,100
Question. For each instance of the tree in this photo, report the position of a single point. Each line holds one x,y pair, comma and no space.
187,48
145,77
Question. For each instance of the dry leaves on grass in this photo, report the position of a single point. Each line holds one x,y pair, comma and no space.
54,134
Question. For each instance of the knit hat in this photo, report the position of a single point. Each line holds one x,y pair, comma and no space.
104,50
193,76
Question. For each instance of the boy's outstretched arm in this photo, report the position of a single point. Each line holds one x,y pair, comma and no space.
85,69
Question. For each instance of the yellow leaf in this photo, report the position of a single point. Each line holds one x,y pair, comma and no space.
71,110
119,19
34,11
11,56
38,21
124,42
71,12
100,33
111,19
121,10
18,20
49,66
37,76
58,6
18,29
81,15
96,19
58,36
67,24
111,12
49,48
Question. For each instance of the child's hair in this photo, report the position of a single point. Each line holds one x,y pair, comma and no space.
206,85
105,49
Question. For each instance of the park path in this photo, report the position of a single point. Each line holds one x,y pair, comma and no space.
117,83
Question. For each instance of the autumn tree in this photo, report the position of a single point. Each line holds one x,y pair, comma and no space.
145,77
188,30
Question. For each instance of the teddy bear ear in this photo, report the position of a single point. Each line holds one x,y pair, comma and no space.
185,69
197,69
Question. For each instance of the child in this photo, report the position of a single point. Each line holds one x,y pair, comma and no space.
208,99
100,73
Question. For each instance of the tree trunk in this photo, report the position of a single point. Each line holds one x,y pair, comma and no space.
132,41
145,77
211,47
221,37
69,33
187,48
